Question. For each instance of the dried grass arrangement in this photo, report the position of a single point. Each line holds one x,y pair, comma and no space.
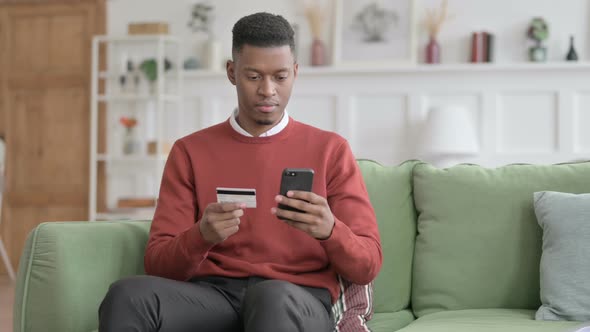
435,18
315,13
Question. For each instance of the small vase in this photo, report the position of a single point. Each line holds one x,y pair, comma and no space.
318,52
129,143
572,55
538,53
213,55
152,88
432,51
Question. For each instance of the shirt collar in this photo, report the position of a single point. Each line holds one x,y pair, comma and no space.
272,131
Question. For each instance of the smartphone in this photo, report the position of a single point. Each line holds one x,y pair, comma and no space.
295,179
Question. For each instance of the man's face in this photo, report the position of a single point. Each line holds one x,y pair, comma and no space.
264,78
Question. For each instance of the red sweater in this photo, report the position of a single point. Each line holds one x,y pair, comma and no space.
264,245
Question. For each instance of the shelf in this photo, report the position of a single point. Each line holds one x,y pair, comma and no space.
415,68
123,159
132,98
127,214
454,67
204,73
137,38
109,98
106,75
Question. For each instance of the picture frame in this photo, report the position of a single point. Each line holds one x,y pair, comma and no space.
374,33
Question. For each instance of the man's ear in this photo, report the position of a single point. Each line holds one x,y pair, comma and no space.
231,72
295,69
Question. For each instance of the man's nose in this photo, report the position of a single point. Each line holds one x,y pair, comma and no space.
266,88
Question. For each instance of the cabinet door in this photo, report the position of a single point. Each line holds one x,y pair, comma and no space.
2,77
46,58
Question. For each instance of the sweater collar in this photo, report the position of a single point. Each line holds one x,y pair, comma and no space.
272,131
282,134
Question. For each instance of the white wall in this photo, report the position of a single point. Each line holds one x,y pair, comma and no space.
533,113
177,14
507,19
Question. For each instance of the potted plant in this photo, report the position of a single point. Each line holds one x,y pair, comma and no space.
201,21
538,32
149,67
201,18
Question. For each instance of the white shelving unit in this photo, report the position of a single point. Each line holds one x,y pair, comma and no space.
157,106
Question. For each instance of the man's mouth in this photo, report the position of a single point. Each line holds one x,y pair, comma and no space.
266,107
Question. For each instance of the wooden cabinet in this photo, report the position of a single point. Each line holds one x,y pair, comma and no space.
45,64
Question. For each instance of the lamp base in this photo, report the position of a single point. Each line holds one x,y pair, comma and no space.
448,161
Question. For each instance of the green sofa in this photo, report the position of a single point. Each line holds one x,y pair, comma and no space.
461,252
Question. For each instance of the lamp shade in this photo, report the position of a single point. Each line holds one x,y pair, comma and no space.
449,131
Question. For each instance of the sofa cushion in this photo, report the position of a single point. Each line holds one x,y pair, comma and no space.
486,320
390,321
565,272
478,243
390,191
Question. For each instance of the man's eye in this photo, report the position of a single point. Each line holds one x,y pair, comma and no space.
281,78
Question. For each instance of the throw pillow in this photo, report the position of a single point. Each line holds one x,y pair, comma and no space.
354,307
565,270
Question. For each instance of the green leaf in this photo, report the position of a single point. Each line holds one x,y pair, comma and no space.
150,68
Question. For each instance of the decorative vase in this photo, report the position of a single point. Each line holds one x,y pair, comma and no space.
318,52
152,88
213,55
572,55
538,53
432,51
130,145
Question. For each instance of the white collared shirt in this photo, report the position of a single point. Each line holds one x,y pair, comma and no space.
272,131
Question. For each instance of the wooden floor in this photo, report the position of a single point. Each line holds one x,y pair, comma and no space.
6,300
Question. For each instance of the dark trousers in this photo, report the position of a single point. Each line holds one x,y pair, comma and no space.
214,304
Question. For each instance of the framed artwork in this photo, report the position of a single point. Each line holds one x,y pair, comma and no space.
374,32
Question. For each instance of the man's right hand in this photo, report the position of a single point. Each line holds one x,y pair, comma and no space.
220,221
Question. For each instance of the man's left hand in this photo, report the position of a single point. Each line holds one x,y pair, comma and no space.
317,219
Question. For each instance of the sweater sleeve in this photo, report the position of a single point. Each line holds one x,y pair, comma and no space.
175,246
354,247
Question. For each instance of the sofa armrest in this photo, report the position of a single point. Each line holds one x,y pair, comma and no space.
66,268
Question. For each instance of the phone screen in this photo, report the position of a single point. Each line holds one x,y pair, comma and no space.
295,179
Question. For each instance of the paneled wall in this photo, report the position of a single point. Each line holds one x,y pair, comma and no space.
536,113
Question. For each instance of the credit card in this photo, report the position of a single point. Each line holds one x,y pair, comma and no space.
237,195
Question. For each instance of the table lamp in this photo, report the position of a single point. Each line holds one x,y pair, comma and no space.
448,135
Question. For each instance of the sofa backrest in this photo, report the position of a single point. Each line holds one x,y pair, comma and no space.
390,191
478,243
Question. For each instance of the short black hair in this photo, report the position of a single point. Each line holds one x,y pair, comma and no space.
262,30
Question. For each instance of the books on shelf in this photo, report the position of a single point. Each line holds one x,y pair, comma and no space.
147,28
136,202
482,47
